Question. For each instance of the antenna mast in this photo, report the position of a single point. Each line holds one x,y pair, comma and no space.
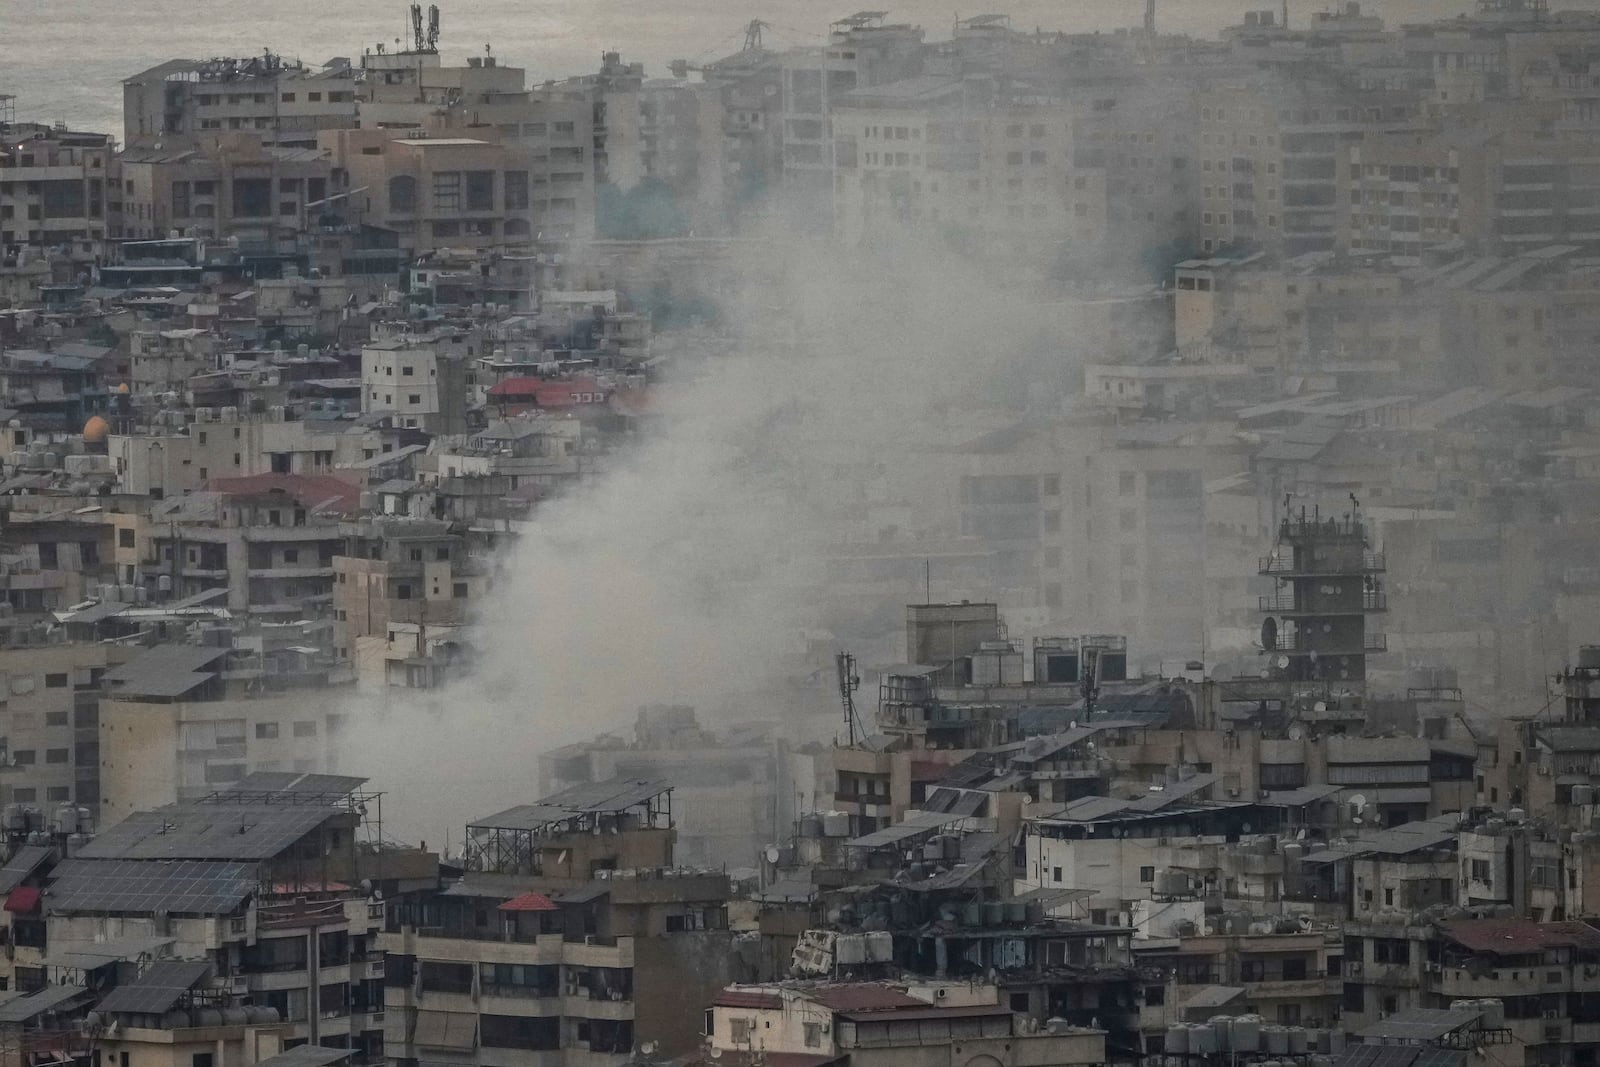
849,682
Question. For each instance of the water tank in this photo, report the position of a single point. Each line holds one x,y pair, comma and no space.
1298,1045
933,850
1494,1012
1276,1039
1186,928
235,1016
208,1017
1292,852
64,820
93,1021
1245,1034
994,913
262,1014
1016,911
75,843
1516,815
1583,794
972,914
1219,1025
1589,657
1057,1025
1336,1042
1202,1040
1177,1040
177,1019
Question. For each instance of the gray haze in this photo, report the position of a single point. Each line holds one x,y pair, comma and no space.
690,573
65,59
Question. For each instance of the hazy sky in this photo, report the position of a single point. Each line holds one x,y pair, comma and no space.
64,59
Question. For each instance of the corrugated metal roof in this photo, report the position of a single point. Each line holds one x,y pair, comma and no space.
166,670
50,998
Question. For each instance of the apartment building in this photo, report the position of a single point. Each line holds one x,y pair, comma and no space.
51,715
242,897
866,1024
420,382
402,595
227,185
572,938
56,189
862,51
178,722
282,102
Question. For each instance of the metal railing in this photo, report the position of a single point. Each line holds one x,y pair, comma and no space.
1286,603
1371,562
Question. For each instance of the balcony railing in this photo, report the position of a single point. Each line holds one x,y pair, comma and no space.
1287,603
1305,645
1371,563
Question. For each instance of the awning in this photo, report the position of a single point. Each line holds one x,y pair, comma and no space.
23,899
530,902
446,1029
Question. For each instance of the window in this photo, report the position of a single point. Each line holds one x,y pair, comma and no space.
125,538
57,755
459,590
1055,874
23,757
447,190
55,681
813,1035
1155,996
1480,871
305,728
266,731
1147,874
291,555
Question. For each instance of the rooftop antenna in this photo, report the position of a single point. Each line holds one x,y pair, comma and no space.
419,39
433,27
849,682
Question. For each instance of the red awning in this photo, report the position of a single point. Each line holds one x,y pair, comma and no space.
529,902
23,899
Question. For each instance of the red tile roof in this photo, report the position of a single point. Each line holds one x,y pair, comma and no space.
746,998
529,902
1515,937
864,996
550,392
307,490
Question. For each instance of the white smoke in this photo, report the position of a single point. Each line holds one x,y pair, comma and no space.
689,572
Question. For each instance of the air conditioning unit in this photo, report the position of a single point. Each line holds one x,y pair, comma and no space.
1552,1014
376,1016
941,994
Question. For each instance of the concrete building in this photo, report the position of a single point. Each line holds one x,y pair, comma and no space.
56,189
182,721
572,938
284,103
420,382
882,1024
402,596
52,723
228,185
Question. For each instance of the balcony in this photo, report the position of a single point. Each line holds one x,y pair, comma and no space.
1289,567
1329,645
1287,603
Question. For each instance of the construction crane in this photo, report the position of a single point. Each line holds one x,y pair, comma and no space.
680,68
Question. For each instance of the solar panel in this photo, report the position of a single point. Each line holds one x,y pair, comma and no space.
163,984
50,998
22,863
208,832
149,887
305,1056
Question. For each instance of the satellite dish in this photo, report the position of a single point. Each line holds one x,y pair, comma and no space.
772,853
648,1048
1026,800
1295,733
1283,663
1320,705
1072,724
1269,633
1358,803
715,1054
